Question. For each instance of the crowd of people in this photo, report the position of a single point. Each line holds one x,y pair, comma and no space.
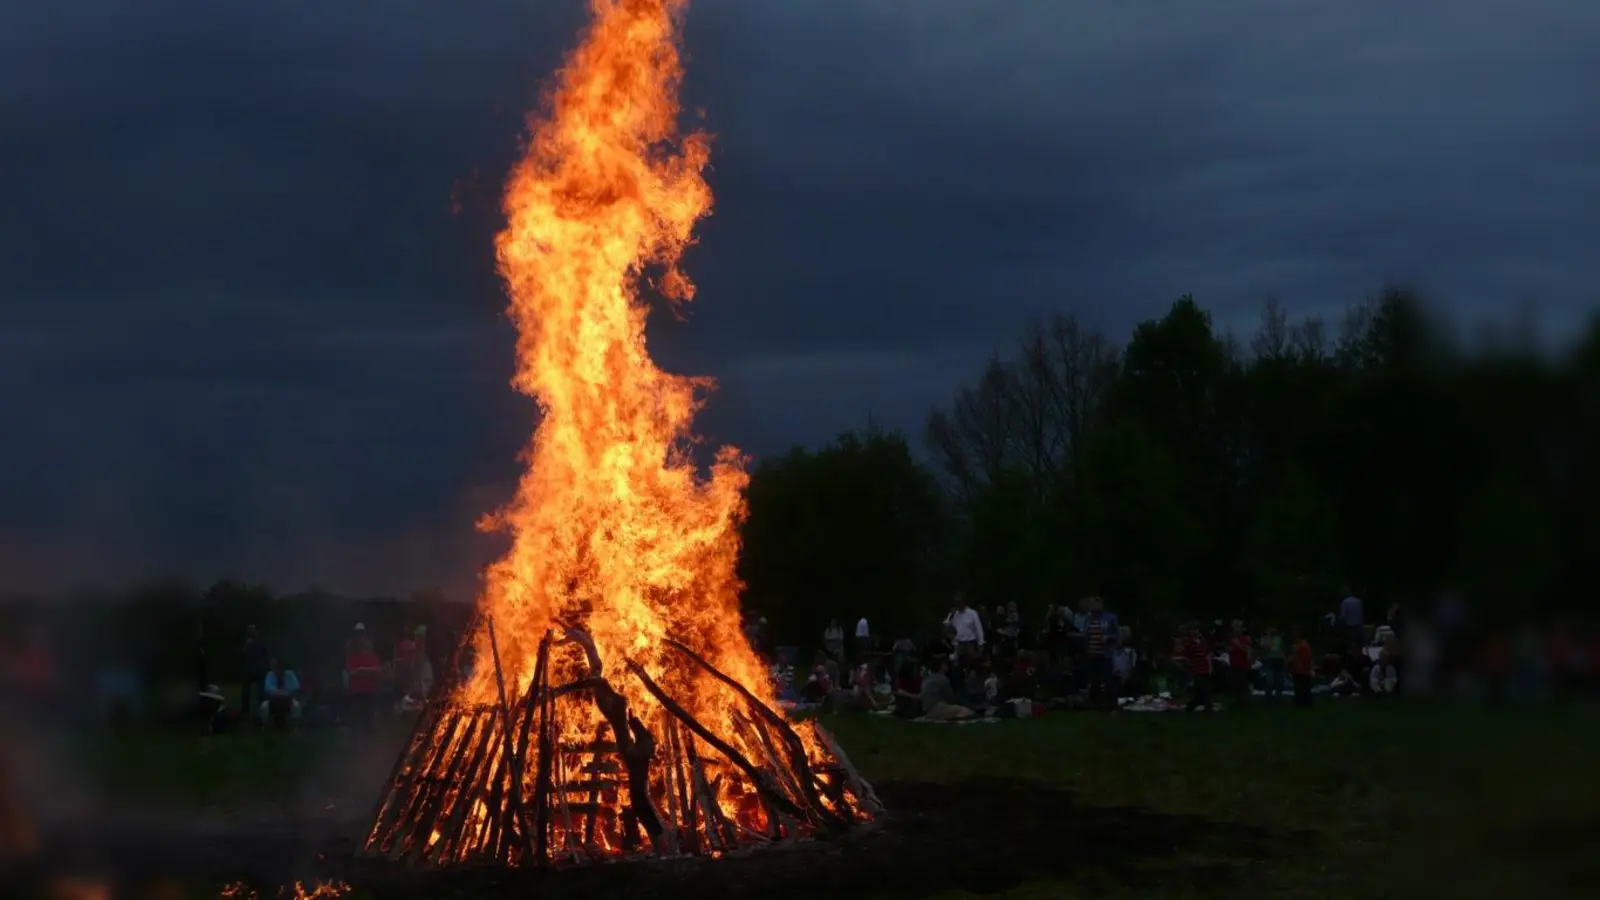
988,662
372,675
273,694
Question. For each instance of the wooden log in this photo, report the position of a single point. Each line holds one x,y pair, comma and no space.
675,759
593,802
710,813
713,791
756,776
858,785
797,750
474,788
537,844
672,796
394,794
448,793
513,811
780,825
413,788
635,744
419,828
568,835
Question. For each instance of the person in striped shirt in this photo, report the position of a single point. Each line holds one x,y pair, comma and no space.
1197,657
1101,635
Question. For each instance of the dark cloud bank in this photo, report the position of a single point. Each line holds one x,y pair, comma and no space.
243,331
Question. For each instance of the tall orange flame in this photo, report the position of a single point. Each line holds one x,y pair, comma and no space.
612,525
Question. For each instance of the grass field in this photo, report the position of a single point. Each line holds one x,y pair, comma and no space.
1350,800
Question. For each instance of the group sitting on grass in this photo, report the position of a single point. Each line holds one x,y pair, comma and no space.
985,663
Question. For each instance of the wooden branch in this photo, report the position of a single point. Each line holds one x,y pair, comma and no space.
858,785
414,788
420,828
757,777
536,840
797,750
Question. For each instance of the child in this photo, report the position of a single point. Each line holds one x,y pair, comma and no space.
1273,659
1301,664
1197,655
1241,658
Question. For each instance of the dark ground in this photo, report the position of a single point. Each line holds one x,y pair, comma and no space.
984,836
1350,802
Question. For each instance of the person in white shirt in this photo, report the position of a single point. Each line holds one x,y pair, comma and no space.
863,640
969,631
833,639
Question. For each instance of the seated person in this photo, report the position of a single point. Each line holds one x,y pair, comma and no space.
1383,678
973,687
1344,685
908,692
1020,684
282,690
820,685
939,697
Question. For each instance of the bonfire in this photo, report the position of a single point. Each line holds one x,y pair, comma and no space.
615,707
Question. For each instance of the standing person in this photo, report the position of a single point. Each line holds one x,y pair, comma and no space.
1100,639
863,640
362,670
1241,656
1301,664
968,629
1196,651
405,664
1010,631
254,663
1274,660
1124,660
904,651
1057,620
424,664
1352,619
833,640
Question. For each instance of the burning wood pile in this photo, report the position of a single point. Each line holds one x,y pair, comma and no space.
572,771
624,547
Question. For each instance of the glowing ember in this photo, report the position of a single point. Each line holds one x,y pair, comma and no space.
322,890
616,704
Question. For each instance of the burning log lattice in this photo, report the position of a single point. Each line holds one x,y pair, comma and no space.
504,783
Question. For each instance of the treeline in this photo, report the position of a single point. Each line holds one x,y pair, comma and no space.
1182,473
160,628
1187,472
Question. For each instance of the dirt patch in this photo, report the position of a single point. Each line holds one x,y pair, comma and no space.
981,836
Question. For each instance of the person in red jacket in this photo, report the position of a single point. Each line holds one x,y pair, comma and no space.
1197,658
1302,663
1241,656
363,670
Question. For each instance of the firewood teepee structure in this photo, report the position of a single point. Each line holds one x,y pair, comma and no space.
509,783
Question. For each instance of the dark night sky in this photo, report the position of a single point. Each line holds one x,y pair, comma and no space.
244,333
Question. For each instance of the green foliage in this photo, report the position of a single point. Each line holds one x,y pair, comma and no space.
1179,475
1183,476
852,529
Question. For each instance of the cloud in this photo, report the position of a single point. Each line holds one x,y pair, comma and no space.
245,329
